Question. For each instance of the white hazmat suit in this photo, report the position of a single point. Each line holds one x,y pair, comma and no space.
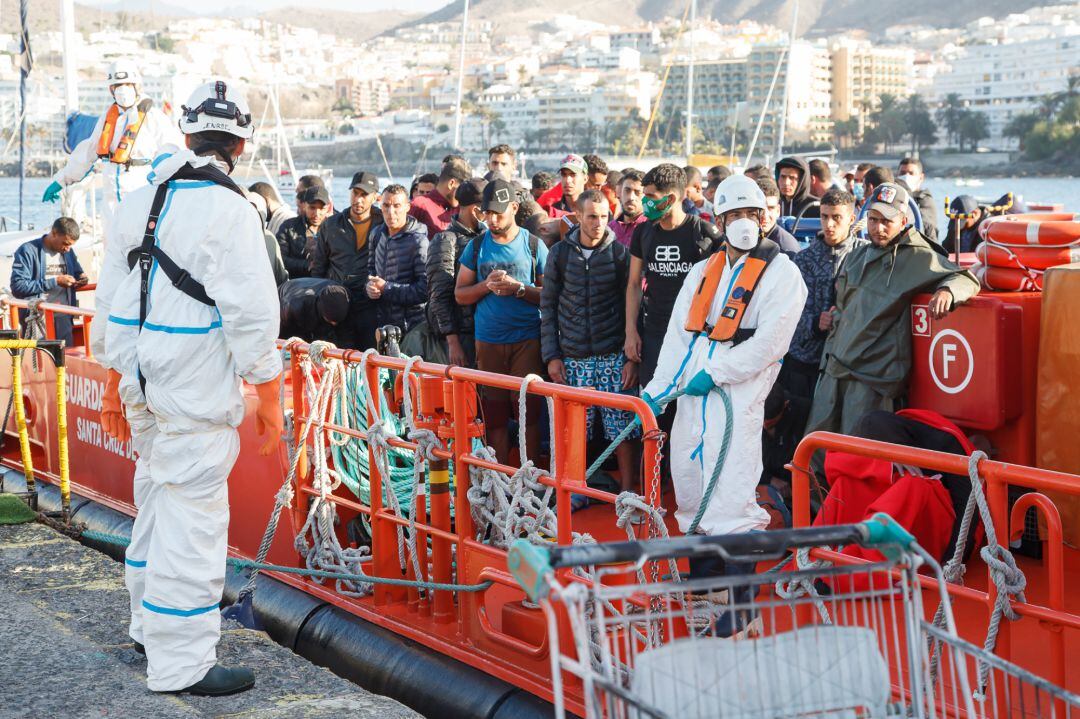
192,357
747,371
156,132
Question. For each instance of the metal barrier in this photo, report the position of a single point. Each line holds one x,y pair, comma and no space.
998,476
49,311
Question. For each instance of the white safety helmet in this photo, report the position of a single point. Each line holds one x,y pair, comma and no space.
738,192
123,72
219,108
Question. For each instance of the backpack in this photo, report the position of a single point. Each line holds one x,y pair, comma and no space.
534,244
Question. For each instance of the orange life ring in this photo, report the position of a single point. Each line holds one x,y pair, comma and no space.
1006,279
1045,206
1026,258
1049,229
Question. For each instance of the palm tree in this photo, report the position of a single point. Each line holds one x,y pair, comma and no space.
950,114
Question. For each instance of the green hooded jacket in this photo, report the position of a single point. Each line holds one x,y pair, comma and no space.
871,339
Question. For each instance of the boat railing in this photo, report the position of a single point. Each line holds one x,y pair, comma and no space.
997,478
10,308
454,541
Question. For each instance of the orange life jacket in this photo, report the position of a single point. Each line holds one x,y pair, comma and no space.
122,154
727,326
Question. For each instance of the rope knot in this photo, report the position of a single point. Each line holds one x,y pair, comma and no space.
1007,577
317,352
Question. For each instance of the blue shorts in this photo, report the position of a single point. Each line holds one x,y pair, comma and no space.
603,373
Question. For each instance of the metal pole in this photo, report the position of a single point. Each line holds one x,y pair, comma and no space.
461,76
24,70
734,131
690,86
71,72
764,109
787,81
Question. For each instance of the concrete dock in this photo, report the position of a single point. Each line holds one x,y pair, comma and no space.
63,633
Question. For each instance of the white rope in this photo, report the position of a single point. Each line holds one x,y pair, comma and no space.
1008,579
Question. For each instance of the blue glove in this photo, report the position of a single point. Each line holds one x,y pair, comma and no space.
699,385
52,192
657,410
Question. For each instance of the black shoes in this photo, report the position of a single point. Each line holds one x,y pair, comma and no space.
140,648
221,681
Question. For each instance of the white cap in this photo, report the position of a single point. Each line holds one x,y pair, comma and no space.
123,72
738,192
215,106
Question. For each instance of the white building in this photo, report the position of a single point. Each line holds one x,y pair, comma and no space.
1007,79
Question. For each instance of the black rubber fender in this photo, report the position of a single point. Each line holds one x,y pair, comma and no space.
102,519
388,664
283,610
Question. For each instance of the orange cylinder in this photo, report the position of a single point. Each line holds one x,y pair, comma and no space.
1026,258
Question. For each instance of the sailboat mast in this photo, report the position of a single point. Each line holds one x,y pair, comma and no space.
787,81
71,72
690,85
461,76
25,63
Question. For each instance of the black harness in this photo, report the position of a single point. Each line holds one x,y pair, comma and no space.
145,254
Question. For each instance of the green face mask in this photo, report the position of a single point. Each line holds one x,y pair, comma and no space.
655,209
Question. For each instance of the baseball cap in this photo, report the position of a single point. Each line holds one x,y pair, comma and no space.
889,199
316,193
498,195
365,181
470,193
963,205
574,162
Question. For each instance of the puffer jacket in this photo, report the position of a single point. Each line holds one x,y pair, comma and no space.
581,304
445,316
401,260
818,264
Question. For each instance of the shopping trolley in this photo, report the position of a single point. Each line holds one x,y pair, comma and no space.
805,640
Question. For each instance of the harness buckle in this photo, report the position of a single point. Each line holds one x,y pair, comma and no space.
181,279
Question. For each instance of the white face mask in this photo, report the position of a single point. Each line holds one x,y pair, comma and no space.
125,95
910,180
743,234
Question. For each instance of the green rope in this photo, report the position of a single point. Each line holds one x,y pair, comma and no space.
241,564
729,427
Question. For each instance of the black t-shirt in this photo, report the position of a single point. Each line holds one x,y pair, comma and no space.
668,256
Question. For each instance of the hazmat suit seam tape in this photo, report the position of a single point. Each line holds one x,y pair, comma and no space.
123,321
153,166
134,562
178,612
175,330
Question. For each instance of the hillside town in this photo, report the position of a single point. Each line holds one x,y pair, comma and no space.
568,82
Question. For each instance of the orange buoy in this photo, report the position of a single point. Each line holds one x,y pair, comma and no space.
1006,279
1049,229
1032,257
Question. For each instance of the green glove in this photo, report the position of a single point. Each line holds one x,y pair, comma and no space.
52,192
700,384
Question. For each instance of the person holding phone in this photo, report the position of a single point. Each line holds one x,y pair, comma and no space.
46,268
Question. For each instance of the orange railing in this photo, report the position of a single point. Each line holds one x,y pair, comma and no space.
997,476
49,312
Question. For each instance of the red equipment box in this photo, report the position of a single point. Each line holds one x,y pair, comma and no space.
977,367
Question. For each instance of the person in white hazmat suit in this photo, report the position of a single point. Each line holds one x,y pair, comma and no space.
175,356
126,138
732,322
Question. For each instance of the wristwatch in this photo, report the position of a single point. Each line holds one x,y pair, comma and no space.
520,292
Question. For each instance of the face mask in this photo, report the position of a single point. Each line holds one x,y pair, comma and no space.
910,180
655,209
125,95
743,234
860,192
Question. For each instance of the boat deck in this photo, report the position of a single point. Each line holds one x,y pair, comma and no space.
63,623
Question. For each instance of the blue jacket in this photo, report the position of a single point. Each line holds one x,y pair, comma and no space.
28,272
401,260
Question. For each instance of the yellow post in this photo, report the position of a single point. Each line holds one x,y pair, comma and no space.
20,419
62,444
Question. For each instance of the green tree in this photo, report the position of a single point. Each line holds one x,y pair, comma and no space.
887,121
846,132
974,126
949,115
1021,126
919,124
